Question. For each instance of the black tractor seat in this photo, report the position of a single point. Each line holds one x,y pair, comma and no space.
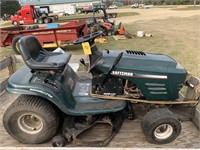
38,59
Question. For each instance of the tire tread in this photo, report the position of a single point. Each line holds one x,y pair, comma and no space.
38,104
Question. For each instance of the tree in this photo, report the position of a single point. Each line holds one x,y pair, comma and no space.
9,7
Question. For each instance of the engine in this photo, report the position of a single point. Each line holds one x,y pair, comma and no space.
157,76
115,86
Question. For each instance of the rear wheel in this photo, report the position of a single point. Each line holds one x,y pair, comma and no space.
114,15
31,119
53,19
40,21
160,126
109,33
15,45
47,20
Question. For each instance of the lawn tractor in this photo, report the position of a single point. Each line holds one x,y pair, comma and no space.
107,26
58,104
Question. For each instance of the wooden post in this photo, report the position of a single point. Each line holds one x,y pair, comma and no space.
12,68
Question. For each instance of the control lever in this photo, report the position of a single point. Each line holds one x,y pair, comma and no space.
51,72
118,58
82,61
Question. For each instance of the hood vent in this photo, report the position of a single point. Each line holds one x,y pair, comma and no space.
135,52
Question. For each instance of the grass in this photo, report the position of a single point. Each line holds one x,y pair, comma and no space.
165,6
123,14
82,16
6,51
6,24
175,37
187,8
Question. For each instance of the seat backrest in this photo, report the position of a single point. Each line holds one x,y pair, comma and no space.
29,47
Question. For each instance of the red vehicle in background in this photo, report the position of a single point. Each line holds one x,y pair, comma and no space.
60,36
28,14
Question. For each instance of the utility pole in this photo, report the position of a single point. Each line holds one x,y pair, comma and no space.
195,1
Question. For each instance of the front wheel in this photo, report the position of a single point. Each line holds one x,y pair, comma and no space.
160,126
31,119
109,33
47,20
40,21
15,23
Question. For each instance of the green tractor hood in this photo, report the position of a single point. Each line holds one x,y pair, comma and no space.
159,77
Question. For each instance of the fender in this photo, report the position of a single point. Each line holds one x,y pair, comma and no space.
19,83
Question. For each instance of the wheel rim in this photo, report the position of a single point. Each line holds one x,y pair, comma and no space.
163,131
15,23
109,33
17,46
30,123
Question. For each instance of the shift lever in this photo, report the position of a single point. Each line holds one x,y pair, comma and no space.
82,61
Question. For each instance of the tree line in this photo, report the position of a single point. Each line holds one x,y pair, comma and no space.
9,7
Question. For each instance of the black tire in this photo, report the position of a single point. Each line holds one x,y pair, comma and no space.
53,19
58,141
103,29
15,45
160,126
114,15
109,33
40,21
31,120
47,20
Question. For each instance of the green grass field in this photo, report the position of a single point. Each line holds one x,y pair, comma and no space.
84,16
176,37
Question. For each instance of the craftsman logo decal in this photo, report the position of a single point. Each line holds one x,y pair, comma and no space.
42,92
136,75
120,73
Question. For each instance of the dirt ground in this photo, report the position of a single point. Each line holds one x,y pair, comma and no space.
153,13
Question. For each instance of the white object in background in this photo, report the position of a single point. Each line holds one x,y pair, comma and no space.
74,66
60,50
140,33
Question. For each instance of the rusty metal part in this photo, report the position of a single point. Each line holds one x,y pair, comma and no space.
75,131
142,100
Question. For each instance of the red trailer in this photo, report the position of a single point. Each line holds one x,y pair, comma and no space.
48,37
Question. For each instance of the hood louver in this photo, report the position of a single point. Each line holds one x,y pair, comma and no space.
135,52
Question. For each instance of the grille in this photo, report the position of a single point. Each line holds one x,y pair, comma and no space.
135,52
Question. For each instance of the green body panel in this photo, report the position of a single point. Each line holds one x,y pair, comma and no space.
159,77
64,97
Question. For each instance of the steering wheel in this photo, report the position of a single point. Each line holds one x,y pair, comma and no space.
89,37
